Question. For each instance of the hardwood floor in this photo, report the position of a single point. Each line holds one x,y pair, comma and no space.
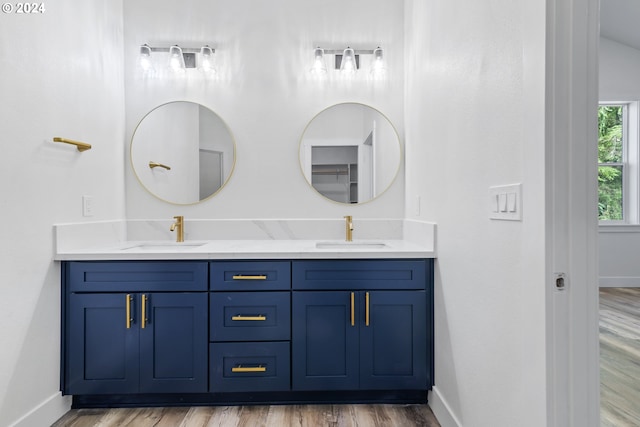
254,416
620,357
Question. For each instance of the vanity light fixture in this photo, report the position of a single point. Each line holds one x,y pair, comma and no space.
348,64
348,61
176,60
378,68
180,58
319,67
145,58
206,60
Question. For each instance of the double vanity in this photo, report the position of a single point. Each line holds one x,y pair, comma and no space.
250,311
246,321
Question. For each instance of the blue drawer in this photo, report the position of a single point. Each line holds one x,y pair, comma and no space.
359,274
250,316
136,276
250,366
250,275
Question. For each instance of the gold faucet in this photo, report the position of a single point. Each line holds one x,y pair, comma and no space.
179,224
349,227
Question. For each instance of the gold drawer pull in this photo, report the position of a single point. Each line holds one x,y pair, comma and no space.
259,317
255,277
241,368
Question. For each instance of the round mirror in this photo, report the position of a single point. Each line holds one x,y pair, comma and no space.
350,153
182,152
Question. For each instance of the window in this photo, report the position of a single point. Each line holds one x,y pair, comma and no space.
617,163
611,165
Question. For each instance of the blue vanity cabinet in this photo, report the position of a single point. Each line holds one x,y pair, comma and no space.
250,326
135,327
362,325
325,347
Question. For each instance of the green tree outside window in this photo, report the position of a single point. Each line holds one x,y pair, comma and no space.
611,162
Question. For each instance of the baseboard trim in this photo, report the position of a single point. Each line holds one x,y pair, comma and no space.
442,410
46,413
619,282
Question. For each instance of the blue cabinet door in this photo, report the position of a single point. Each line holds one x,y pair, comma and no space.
382,347
393,341
324,341
162,349
173,343
101,351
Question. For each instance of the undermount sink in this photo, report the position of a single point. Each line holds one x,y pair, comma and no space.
350,245
164,246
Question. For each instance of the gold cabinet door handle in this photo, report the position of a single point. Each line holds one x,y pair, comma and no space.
241,368
144,311
128,310
366,320
240,317
250,277
353,314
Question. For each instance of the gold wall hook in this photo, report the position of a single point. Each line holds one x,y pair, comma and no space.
81,146
153,164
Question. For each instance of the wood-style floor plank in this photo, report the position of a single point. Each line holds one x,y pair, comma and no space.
620,357
254,416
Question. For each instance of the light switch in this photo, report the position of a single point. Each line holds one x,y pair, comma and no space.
87,205
505,202
511,202
502,201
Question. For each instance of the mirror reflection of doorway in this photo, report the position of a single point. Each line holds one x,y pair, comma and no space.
334,172
211,172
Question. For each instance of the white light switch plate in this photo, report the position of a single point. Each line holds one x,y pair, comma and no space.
87,205
505,202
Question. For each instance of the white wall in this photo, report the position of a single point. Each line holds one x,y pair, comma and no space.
619,246
265,94
475,118
61,76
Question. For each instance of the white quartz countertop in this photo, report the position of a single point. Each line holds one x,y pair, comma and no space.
250,249
244,239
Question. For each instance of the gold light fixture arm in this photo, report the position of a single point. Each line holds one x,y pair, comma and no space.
81,146
153,164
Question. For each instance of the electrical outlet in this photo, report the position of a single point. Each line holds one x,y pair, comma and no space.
87,205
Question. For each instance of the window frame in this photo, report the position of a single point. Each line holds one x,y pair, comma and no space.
629,163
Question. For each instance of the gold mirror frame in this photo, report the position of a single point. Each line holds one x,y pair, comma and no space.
350,153
182,153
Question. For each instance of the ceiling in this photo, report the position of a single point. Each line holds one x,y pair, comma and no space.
619,21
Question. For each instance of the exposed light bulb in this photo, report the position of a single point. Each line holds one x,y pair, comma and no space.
378,68
145,58
206,60
348,64
176,60
319,67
